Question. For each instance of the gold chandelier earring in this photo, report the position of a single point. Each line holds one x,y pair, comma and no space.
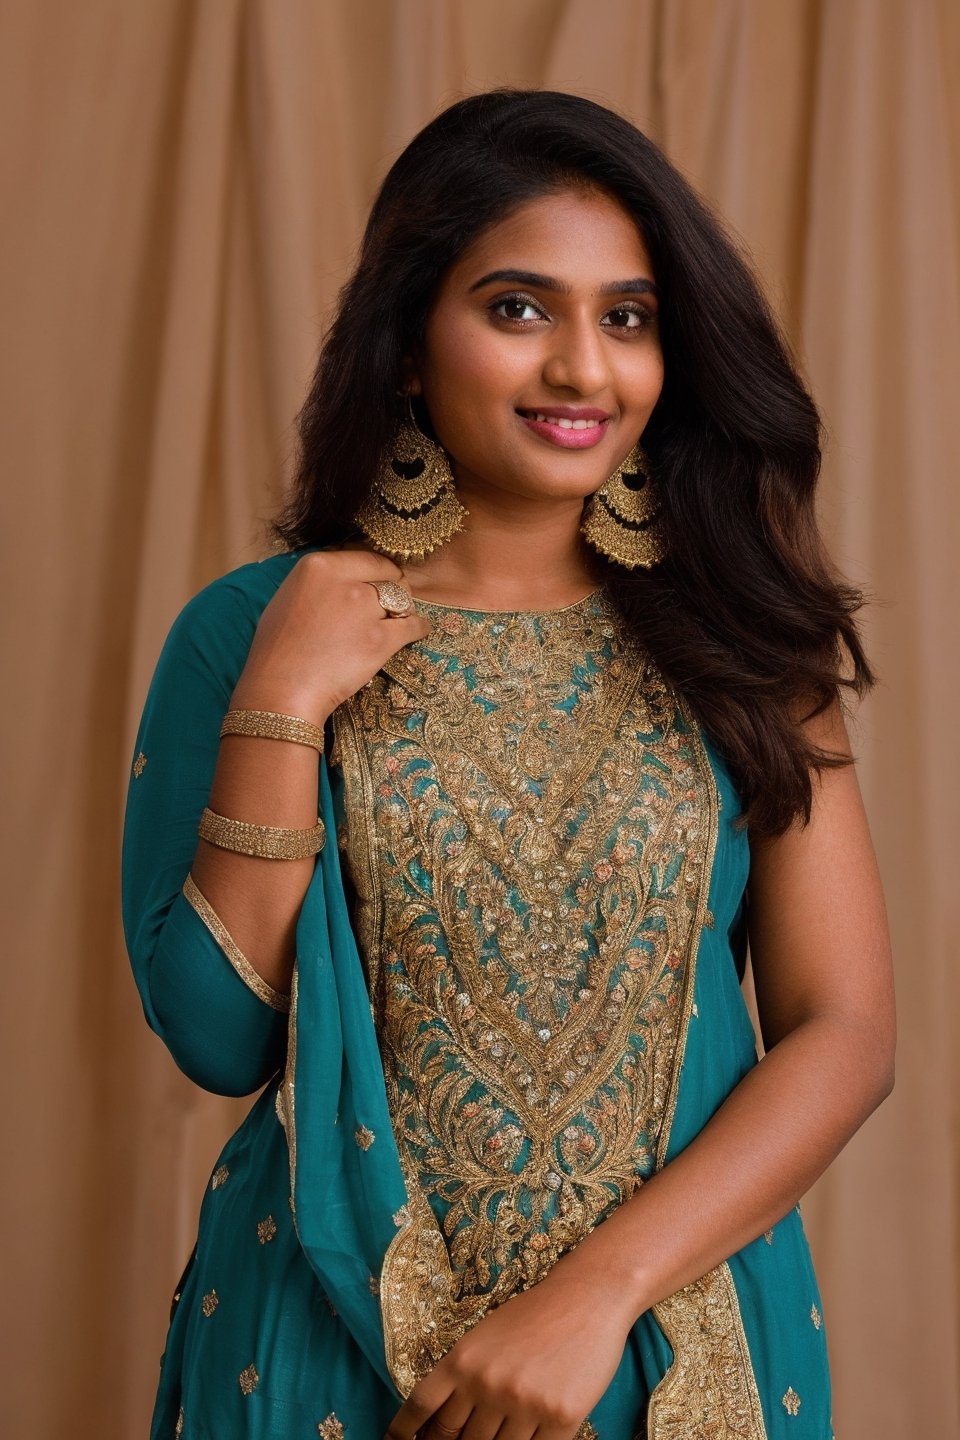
620,519
413,506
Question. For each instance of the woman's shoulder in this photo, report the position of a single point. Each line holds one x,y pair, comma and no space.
242,592
221,617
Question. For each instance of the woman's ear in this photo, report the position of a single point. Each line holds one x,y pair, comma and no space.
411,379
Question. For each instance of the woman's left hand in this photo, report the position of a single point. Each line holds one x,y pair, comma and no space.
538,1363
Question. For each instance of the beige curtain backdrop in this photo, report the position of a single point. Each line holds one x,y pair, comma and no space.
183,186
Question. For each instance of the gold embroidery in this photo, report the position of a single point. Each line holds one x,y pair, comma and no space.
373,1285
532,787
364,1137
274,998
219,1177
816,1317
266,1229
139,765
287,1090
331,1428
768,1236
178,1428
711,1376
702,1322
694,1011
209,1303
278,1106
249,1379
791,1401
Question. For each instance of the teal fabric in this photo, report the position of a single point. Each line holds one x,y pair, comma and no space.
294,1299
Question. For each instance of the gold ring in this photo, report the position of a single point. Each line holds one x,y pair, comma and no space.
394,599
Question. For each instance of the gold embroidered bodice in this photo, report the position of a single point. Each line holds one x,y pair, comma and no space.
523,820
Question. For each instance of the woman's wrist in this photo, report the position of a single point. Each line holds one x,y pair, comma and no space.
264,695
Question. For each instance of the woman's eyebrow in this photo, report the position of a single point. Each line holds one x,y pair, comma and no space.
638,286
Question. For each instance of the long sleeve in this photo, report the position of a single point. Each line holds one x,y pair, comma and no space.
223,1025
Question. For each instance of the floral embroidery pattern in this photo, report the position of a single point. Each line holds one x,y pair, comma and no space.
139,765
526,837
364,1137
209,1303
219,1177
791,1401
331,1428
249,1379
816,1317
266,1229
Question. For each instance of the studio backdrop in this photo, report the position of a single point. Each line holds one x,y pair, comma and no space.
183,185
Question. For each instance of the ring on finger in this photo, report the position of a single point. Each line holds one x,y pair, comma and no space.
395,600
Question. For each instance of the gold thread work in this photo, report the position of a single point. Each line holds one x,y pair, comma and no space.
538,787
274,998
249,1379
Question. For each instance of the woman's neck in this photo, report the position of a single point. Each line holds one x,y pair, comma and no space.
506,560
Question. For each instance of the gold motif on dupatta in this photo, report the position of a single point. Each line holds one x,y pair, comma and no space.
709,1392
530,821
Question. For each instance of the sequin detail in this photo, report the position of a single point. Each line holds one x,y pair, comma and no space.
249,1379
528,821
266,1229
791,1401
139,765
255,982
364,1137
219,1177
816,1317
209,1303
331,1428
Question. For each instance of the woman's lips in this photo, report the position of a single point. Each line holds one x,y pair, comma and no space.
573,435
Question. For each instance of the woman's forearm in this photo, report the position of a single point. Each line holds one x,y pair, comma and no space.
265,782
771,1139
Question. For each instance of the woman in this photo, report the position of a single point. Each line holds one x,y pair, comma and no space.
570,703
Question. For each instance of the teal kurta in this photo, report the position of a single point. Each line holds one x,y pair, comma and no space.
517,994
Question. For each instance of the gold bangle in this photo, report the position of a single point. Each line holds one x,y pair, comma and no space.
268,725
267,842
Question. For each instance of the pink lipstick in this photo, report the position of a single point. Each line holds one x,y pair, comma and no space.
574,427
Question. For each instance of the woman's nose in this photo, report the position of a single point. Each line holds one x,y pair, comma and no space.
576,360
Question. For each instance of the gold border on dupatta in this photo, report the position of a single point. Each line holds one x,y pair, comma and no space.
709,1391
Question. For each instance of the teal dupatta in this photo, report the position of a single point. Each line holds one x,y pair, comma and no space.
738,1355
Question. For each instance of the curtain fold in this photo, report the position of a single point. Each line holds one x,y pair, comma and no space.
185,185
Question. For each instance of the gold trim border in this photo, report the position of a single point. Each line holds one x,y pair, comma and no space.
274,998
710,1387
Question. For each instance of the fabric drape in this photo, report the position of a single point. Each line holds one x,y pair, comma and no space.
184,185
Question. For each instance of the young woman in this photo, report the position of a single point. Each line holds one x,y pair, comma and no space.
449,826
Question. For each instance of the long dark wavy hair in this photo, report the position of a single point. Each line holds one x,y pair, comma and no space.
746,616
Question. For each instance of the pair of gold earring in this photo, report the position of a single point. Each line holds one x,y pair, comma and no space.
413,506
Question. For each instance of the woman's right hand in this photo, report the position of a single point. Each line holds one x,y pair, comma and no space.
323,635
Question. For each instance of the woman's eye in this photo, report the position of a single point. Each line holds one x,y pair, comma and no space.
629,317
512,307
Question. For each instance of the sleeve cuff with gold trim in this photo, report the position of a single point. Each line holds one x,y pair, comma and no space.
274,998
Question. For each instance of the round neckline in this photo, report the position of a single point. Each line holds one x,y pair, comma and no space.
473,610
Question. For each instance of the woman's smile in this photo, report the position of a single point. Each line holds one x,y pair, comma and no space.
573,428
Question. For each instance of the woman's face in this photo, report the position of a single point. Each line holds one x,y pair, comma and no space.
551,313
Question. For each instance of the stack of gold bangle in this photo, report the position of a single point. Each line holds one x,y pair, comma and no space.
269,725
267,842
